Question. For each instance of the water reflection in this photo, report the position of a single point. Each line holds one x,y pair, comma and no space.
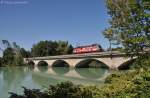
91,73
12,73
43,68
44,79
0,70
12,78
60,70
30,67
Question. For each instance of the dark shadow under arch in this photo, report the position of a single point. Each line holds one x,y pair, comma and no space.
42,63
60,63
91,63
43,66
126,65
31,63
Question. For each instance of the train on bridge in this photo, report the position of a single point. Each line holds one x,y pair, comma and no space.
88,49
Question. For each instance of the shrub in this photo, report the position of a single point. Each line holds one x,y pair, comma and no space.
130,84
62,90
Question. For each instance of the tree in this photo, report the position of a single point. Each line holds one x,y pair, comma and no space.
1,61
43,48
6,43
64,48
8,56
109,34
11,58
13,54
49,48
16,48
130,20
18,60
25,53
69,49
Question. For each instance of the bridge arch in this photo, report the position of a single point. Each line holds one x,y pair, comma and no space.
93,63
42,66
42,63
60,63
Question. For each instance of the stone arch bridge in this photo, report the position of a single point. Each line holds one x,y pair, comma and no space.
113,61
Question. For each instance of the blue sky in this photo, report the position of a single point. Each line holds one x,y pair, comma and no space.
80,22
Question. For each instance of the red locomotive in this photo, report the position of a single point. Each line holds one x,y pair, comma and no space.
87,49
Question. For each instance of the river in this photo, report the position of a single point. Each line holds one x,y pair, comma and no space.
13,78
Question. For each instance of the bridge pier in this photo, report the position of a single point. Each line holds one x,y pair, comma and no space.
73,62
115,62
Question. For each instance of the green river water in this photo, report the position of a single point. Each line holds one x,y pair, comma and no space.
13,78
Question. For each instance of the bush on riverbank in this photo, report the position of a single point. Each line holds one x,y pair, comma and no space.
142,62
62,90
130,84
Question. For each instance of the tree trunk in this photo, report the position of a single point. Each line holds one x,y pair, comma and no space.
110,49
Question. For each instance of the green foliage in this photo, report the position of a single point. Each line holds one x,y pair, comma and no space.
63,48
130,21
62,90
13,54
44,48
11,58
8,56
68,90
25,53
47,48
142,62
120,49
6,43
130,84
18,60
1,61
110,34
